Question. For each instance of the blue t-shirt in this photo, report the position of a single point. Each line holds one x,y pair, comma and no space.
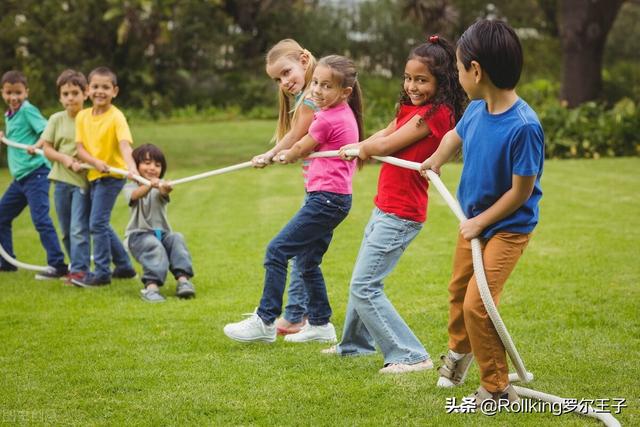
24,127
495,147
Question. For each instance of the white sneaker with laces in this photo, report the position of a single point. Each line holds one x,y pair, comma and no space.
250,330
321,333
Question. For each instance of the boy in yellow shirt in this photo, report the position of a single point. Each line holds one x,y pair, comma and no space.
103,139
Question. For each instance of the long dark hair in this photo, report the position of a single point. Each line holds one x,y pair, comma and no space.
439,55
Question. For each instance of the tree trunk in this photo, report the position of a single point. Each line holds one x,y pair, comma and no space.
584,26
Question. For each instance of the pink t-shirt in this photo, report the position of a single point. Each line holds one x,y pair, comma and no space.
332,129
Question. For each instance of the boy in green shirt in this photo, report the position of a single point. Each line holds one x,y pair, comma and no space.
30,186
71,188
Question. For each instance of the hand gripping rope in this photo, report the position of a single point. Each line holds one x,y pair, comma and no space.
478,267
39,151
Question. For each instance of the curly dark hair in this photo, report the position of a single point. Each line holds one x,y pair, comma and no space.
439,55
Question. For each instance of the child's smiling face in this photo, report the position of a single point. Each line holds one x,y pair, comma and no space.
72,98
419,83
102,90
150,168
289,74
325,90
14,95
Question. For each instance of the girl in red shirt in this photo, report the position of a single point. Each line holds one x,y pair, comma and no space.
430,103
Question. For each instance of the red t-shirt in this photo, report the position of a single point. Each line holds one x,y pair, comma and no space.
403,192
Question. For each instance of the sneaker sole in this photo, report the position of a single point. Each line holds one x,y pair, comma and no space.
323,340
85,286
245,340
186,295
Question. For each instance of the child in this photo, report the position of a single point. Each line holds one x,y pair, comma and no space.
71,189
430,103
24,124
103,139
503,150
149,236
336,92
291,67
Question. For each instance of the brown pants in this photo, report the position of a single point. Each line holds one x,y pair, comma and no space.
470,328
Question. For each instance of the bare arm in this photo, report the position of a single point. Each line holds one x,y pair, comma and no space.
300,149
449,145
55,156
298,129
509,202
84,155
380,134
125,149
390,142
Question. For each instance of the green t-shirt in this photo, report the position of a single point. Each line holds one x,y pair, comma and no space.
25,127
61,134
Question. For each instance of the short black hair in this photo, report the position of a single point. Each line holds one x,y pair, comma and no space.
104,71
149,151
13,77
496,47
72,77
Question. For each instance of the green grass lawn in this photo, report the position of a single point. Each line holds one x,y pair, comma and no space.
70,356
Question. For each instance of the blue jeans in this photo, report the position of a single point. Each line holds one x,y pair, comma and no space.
72,207
307,237
106,244
157,256
297,298
371,318
32,190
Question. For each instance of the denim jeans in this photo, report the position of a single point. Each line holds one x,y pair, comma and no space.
307,237
371,318
32,190
106,244
72,207
297,298
157,256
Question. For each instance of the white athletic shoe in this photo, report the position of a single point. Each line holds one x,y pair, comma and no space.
321,333
250,330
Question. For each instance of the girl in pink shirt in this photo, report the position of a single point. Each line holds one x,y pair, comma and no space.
335,91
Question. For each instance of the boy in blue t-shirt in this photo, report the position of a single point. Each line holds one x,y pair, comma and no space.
503,152
30,186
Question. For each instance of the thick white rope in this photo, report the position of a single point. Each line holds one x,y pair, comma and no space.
39,151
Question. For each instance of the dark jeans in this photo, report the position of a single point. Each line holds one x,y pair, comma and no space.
306,237
159,256
106,244
32,190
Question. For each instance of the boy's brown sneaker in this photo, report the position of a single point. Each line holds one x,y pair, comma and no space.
454,369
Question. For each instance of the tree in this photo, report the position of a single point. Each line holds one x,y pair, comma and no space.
584,26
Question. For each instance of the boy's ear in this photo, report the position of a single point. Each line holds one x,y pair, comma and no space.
477,71
116,89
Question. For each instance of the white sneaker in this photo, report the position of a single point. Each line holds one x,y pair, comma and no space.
401,368
251,329
321,333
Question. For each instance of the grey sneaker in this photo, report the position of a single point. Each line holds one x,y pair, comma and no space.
507,395
151,295
453,371
402,368
185,290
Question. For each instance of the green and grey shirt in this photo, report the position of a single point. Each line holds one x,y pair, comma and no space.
61,134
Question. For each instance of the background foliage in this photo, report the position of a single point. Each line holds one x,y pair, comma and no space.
196,59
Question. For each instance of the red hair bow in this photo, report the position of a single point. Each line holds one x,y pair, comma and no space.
434,39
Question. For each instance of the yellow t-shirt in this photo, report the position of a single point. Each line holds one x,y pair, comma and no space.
100,135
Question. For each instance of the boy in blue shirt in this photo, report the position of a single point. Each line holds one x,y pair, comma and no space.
30,186
503,151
